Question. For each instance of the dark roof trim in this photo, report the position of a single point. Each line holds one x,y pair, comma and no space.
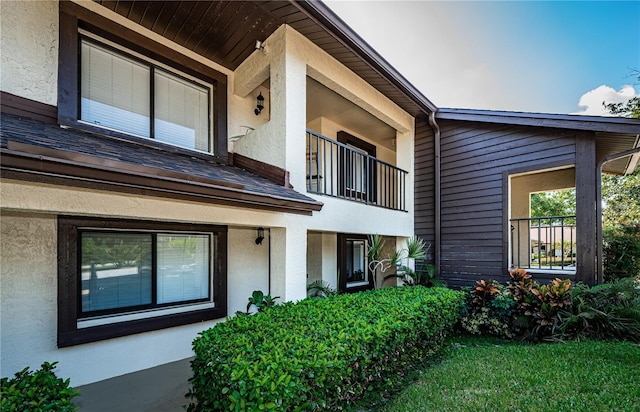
20,106
73,172
322,15
272,173
558,121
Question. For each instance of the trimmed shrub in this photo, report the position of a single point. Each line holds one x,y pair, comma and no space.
319,354
37,390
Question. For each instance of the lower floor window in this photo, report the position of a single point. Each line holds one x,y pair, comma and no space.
118,277
353,264
121,270
356,262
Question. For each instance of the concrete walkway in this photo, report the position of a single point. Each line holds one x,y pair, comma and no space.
159,389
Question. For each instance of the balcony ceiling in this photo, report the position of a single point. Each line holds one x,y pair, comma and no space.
226,32
324,102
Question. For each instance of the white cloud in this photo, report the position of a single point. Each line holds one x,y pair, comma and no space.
591,102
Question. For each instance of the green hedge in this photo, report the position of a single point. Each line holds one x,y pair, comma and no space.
319,353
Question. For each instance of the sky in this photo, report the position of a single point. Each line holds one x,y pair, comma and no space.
562,57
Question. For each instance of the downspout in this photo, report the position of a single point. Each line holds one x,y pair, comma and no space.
269,286
436,149
599,252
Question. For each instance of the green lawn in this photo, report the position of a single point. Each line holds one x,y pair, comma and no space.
490,375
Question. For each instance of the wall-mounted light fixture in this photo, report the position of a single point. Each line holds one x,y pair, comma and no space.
259,104
259,45
260,237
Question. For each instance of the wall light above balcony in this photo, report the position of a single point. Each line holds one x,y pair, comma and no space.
259,104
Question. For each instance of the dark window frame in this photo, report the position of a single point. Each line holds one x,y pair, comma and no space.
154,273
345,169
72,18
69,288
342,264
153,68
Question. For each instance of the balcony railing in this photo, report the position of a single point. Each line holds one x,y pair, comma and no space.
339,170
544,243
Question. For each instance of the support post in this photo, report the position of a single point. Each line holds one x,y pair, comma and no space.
586,202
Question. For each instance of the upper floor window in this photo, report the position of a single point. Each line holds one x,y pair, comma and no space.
115,81
136,96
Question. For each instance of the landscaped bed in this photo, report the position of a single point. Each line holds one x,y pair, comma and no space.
320,353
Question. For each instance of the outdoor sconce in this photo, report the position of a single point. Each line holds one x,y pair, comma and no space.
260,237
260,104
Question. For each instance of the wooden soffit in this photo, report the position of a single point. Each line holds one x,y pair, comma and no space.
226,33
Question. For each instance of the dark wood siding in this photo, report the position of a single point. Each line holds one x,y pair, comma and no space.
477,159
425,183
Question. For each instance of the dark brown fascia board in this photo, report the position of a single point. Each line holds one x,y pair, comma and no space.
113,165
20,106
322,15
558,121
35,167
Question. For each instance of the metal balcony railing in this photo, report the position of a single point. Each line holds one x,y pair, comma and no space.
339,170
544,243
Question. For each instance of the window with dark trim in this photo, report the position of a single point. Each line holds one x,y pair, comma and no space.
357,175
129,86
353,264
130,94
119,277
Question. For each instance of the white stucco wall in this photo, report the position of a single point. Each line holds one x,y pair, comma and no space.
287,60
29,49
28,271
28,278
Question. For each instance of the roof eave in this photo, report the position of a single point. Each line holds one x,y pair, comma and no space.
30,167
324,16
558,121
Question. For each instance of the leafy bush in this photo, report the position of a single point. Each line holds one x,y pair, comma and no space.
37,390
319,354
607,311
621,252
488,309
537,306
261,301
321,289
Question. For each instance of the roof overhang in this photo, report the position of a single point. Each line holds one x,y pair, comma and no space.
613,135
226,32
34,163
557,121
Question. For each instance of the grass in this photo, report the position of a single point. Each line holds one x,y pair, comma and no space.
478,374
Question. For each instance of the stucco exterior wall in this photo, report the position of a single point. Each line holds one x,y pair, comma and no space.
29,44
28,276
287,59
28,273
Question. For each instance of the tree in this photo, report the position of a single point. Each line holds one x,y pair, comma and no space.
555,203
631,108
621,199
621,209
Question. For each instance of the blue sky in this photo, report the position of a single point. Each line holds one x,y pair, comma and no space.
542,56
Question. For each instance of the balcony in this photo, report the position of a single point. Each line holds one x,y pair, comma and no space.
544,244
342,171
